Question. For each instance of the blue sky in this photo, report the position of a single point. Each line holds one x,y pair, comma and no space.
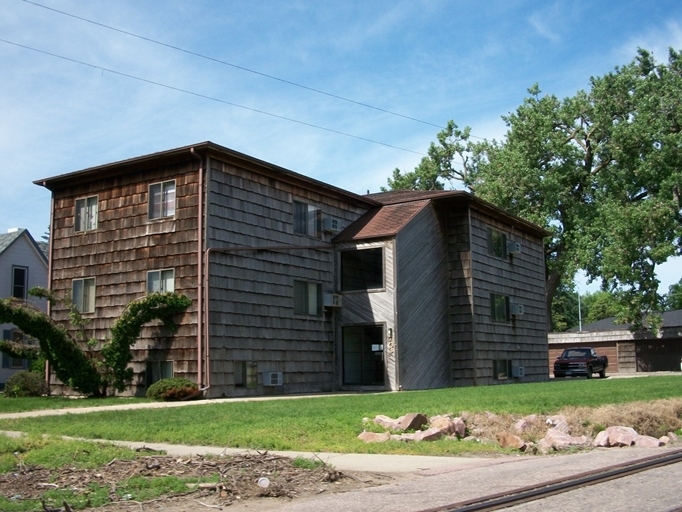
418,63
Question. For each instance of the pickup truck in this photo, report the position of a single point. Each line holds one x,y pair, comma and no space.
578,362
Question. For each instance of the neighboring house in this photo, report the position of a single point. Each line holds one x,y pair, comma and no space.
296,285
23,265
628,351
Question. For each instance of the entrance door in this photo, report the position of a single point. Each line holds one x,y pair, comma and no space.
363,355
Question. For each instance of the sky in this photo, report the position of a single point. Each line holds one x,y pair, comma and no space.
343,92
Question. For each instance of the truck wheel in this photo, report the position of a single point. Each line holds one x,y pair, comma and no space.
602,374
589,372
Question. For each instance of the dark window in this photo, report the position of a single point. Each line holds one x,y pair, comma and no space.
157,370
162,200
19,282
502,368
307,219
307,298
497,244
499,308
362,269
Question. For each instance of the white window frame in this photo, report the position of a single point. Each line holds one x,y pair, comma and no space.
307,298
85,218
311,224
162,199
165,279
83,294
24,285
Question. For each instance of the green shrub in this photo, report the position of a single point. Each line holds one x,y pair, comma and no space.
24,383
172,389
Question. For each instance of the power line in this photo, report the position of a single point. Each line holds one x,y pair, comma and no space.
242,68
211,98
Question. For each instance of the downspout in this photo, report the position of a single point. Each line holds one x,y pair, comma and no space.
49,279
200,279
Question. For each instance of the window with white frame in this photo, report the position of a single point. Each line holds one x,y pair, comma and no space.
19,282
307,298
307,219
162,200
161,281
83,294
86,214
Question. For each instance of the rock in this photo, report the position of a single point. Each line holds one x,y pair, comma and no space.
374,437
522,426
544,446
405,438
507,440
664,440
412,421
559,440
559,422
431,434
616,436
673,437
386,422
448,425
647,442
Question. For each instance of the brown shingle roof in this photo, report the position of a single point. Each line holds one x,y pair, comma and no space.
382,222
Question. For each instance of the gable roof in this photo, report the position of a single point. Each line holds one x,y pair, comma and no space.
400,206
7,239
192,153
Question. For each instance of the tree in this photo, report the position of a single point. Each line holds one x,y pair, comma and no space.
600,305
565,313
601,170
71,357
673,300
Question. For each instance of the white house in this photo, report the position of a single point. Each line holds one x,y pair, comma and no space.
23,265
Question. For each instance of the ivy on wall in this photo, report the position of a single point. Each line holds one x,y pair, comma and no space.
76,366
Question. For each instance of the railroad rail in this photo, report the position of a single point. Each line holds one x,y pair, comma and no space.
549,488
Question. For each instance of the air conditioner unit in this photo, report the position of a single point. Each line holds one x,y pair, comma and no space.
516,309
332,300
273,378
513,247
518,371
330,225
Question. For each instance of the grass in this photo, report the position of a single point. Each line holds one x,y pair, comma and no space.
331,424
11,405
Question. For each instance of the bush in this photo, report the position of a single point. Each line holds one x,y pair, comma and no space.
24,383
172,389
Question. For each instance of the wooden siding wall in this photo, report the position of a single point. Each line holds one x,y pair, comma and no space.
373,307
119,253
459,293
422,333
251,292
521,277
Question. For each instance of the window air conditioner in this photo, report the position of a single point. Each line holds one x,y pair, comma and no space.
272,378
332,300
513,247
330,225
518,371
516,309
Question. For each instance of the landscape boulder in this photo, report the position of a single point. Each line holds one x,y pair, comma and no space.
559,440
507,440
386,422
374,437
616,436
412,421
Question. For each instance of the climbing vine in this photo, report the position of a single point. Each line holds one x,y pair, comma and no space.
73,365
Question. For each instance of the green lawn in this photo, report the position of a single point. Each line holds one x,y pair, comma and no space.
333,423
9,405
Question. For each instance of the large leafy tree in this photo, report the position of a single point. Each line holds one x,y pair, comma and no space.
601,170
673,299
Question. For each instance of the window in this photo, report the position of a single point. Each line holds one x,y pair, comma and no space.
307,298
162,200
19,282
497,244
86,214
499,308
157,370
307,219
161,281
245,374
502,368
362,269
83,294
8,361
